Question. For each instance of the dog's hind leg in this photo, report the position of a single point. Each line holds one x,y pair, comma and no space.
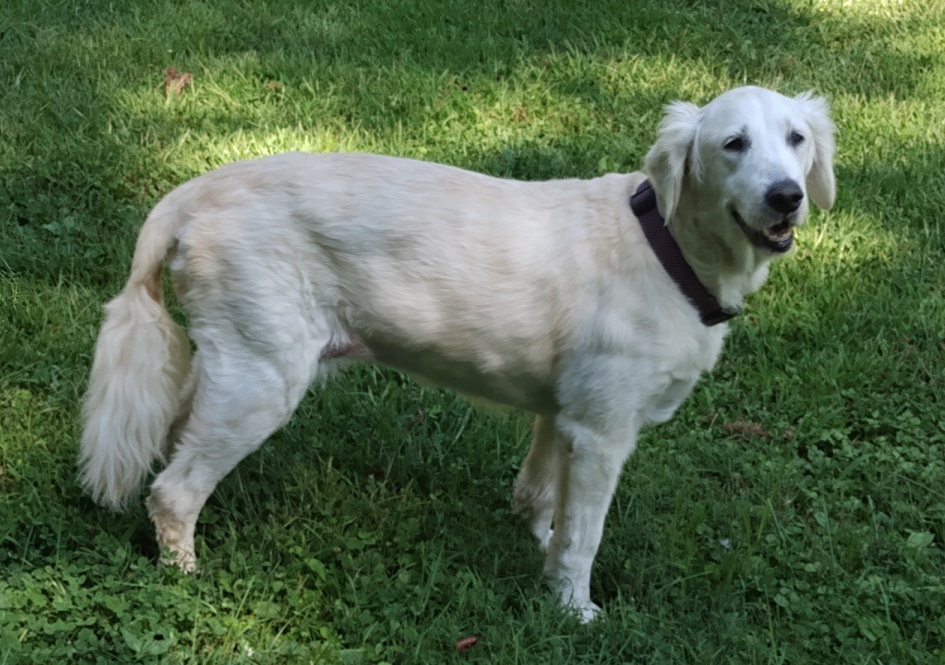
245,387
184,408
536,488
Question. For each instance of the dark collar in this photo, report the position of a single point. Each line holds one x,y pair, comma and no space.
643,204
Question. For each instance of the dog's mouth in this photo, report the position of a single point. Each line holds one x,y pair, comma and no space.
777,238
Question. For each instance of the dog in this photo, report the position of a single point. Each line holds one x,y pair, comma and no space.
544,296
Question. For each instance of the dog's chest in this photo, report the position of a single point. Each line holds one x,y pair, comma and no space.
677,373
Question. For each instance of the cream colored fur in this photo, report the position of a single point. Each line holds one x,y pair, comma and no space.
539,295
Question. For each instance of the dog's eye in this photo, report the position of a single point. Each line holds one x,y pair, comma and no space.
735,144
795,139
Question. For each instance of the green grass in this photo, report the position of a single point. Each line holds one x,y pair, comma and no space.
792,512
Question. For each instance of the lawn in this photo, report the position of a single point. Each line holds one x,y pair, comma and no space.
792,512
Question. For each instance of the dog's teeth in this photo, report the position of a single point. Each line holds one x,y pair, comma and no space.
778,233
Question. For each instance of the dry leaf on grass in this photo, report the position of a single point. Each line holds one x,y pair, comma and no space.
746,430
175,82
466,643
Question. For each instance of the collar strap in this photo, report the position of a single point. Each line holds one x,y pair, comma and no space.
643,204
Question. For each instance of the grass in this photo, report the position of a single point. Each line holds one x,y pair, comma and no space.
792,512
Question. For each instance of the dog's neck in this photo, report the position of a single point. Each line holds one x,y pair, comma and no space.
728,266
644,205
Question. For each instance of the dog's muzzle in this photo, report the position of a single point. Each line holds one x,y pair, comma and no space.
783,198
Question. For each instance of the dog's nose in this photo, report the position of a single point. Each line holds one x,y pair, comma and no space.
784,196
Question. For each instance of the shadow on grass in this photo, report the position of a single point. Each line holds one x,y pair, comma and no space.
88,140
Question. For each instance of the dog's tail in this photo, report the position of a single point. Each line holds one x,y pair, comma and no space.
141,361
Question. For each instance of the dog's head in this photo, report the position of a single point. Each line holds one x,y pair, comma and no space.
751,158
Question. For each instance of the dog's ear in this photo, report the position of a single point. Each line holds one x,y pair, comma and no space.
666,163
821,184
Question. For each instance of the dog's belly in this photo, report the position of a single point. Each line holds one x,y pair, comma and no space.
500,347
505,377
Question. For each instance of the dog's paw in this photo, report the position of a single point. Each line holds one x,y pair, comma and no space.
544,540
575,601
587,612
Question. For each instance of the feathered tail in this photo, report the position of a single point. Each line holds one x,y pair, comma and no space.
141,360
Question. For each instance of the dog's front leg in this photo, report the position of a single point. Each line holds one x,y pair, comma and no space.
588,477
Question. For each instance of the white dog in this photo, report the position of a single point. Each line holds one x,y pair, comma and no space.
546,296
